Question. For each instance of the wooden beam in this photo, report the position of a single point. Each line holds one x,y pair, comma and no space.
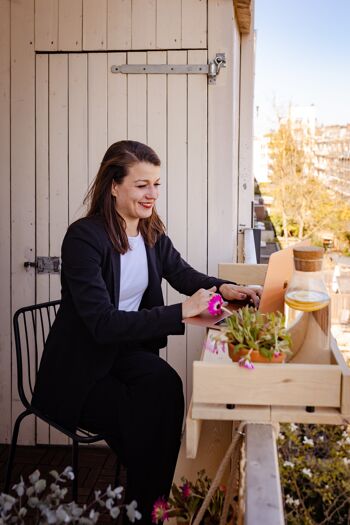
243,10
263,497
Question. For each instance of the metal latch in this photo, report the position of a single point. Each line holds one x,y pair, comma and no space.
45,264
212,69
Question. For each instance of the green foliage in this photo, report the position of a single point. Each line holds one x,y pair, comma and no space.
249,329
315,474
187,499
303,205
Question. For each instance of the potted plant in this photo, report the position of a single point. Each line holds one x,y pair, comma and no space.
186,500
254,337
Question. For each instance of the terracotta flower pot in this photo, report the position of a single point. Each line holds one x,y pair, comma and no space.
255,356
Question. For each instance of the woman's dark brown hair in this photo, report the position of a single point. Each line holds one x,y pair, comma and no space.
117,161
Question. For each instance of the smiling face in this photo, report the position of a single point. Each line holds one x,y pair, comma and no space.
135,197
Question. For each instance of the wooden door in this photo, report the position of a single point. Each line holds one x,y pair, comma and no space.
82,108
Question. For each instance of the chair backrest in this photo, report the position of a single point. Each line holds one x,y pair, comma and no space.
31,327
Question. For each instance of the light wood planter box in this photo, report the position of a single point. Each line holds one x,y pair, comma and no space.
270,393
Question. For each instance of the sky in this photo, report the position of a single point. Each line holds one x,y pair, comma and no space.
302,58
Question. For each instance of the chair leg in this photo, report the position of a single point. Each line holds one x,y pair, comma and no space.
75,461
13,449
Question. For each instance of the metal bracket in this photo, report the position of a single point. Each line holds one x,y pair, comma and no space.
45,264
212,69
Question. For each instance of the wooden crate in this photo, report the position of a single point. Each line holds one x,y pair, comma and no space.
270,393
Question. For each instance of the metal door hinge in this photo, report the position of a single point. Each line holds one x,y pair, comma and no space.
45,264
211,69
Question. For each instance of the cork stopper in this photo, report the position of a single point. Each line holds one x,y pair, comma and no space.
308,258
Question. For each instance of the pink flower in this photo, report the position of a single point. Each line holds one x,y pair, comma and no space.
246,363
276,354
215,305
186,490
160,510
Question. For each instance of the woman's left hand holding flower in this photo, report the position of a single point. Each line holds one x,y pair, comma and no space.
235,292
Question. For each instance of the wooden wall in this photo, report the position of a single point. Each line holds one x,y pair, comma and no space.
76,25
37,156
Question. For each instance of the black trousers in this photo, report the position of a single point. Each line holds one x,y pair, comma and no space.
139,405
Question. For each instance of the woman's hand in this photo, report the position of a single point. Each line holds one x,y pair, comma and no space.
197,303
234,292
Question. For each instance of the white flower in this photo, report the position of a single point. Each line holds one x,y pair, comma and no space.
50,515
345,434
54,474
40,486
68,473
33,478
22,512
346,461
291,501
19,488
321,438
347,440
6,502
62,515
307,472
114,493
131,512
308,441
33,502
288,464
293,427
94,515
109,503
281,436
114,512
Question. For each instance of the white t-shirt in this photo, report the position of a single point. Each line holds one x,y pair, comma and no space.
133,275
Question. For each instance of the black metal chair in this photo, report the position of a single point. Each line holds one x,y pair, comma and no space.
31,327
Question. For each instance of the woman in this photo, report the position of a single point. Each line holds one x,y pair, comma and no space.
100,368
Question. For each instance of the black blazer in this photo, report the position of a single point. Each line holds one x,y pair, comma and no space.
89,330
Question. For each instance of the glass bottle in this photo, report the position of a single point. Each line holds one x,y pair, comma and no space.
308,307
306,290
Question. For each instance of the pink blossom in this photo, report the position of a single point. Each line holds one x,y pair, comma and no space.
276,354
186,490
215,305
160,510
246,363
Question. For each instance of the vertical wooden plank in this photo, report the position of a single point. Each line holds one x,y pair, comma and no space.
119,24
97,111
168,29
194,23
177,191
156,123
42,193
117,100
77,142
246,179
236,66
157,133
143,24
46,25
263,496
58,166
94,24
137,106
197,193
5,225
222,177
22,175
70,25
